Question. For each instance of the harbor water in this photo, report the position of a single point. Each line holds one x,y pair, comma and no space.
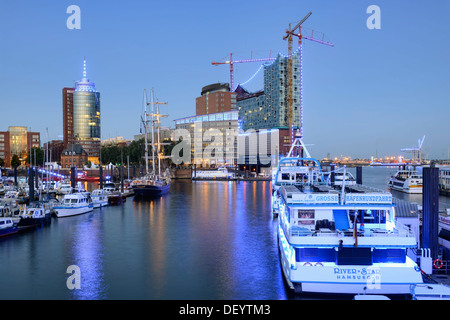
208,240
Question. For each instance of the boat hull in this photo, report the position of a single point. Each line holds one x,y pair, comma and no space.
116,200
403,187
29,222
150,191
330,278
8,231
100,204
62,212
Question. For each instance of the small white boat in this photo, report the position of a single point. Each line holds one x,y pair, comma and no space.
99,198
74,204
339,178
65,188
109,190
408,181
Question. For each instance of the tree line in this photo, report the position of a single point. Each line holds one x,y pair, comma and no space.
135,150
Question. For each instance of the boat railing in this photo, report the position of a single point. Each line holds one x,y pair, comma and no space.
400,231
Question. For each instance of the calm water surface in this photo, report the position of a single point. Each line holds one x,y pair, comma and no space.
204,240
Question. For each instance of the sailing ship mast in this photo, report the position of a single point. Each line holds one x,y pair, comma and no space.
144,121
156,121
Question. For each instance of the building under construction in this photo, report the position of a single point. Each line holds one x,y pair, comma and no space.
268,109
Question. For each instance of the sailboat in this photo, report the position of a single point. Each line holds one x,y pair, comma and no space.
154,183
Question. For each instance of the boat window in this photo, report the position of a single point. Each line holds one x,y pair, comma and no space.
74,200
368,216
2,222
306,217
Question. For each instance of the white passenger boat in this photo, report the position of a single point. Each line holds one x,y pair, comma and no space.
219,173
74,204
342,239
99,198
409,181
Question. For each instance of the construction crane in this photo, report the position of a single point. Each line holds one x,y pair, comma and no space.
289,33
231,62
416,151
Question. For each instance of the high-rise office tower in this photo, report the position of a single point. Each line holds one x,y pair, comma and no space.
86,117
68,116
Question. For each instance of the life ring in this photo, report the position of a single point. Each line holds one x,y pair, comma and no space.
306,264
438,263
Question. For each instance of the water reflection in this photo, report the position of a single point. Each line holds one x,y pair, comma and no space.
203,240
85,249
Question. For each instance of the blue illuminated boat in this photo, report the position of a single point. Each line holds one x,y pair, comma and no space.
341,239
153,184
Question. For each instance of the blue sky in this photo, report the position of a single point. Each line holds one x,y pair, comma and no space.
375,92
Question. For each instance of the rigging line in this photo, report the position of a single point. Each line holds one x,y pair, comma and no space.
251,78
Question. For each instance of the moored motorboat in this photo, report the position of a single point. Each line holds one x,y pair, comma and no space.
7,226
74,204
34,215
99,198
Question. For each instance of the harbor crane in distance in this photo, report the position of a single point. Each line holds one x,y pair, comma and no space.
416,151
231,62
289,33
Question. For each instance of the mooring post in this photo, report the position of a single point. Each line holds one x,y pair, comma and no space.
430,205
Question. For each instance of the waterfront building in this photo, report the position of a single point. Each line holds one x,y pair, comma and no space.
268,108
74,156
215,98
55,149
17,140
86,117
225,147
67,94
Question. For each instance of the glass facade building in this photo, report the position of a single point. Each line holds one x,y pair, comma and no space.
268,109
18,141
86,117
224,144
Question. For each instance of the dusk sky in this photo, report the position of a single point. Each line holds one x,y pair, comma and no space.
373,93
